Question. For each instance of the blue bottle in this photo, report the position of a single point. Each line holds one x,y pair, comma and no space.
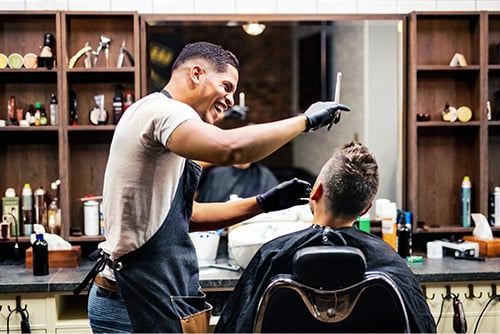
466,202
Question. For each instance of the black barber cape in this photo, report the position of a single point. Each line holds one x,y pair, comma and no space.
275,257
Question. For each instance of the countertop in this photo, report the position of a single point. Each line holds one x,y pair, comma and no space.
15,278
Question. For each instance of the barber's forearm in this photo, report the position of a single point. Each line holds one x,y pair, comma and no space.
214,216
256,142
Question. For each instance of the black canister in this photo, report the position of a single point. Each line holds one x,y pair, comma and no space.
40,256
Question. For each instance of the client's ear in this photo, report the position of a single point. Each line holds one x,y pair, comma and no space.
317,191
367,209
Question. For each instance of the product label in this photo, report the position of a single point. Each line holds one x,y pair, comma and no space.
10,205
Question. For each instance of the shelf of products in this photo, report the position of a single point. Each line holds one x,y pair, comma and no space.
73,151
440,153
105,67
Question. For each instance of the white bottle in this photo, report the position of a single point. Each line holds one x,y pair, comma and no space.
389,224
496,215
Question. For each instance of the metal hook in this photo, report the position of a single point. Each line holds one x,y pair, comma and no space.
471,293
493,290
25,326
449,294
424,289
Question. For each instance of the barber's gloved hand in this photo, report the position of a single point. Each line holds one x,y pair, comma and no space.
236,112
320,114
285,195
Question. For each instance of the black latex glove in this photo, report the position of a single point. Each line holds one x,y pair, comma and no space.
236,112
320,114
285,195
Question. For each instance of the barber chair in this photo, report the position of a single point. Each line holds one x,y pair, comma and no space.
331,291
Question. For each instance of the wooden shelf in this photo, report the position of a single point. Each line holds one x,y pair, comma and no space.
76,155
439,154
424,124
447,68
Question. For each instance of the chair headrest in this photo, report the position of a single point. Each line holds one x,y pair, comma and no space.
329,267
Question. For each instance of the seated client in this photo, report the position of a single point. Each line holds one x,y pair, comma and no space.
344,190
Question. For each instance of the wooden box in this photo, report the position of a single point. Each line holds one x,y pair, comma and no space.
487,248
68,258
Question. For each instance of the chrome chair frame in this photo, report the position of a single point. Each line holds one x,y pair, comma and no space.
331,306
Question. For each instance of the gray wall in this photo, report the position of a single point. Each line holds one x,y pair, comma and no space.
369,57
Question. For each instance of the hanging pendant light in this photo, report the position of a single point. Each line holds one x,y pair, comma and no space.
254,28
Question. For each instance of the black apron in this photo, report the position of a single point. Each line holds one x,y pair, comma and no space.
159,281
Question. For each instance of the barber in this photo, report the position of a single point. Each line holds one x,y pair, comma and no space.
147,273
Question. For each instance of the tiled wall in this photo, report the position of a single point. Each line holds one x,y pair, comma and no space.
255,6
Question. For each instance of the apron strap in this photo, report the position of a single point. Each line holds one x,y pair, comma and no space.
102,260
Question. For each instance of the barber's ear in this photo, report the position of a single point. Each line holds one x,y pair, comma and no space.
196,72
317,191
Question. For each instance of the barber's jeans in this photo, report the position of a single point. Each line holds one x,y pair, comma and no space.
107,312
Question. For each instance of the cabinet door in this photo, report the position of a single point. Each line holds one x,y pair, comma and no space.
28,154
440,152
35,307
107,36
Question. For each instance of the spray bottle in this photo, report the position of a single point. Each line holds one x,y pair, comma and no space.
466,201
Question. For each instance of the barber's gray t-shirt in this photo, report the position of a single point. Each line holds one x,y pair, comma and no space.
141,175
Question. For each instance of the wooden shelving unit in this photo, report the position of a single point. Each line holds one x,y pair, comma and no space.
74,154
440,154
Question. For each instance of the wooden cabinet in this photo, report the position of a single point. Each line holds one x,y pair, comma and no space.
440,153
28,155
48,312
75,154
481,309
87,145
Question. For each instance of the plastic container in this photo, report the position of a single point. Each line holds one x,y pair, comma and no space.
40,256
466,201
10,206
389,224
91,217
364,222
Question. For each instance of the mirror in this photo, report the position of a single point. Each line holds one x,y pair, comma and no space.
293,63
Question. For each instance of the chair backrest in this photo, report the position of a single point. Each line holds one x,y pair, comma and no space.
331,291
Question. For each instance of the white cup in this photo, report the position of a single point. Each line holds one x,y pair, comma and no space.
434,250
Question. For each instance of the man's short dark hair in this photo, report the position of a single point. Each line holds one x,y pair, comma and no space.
216,55
350,180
